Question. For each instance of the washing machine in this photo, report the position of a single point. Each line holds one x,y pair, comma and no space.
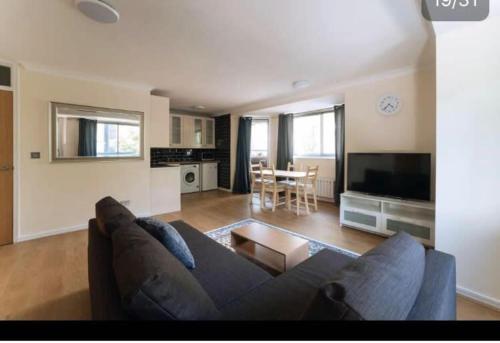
190,178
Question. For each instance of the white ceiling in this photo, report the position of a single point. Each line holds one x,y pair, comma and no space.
221,54
302,106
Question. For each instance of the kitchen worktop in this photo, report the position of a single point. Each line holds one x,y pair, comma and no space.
173,164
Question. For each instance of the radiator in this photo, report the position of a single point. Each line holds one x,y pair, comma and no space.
324,187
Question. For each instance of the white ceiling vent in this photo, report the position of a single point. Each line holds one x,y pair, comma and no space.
98,10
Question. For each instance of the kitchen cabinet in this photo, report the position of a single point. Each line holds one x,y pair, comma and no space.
209,176
192,132
160,122
187,132
209,133
165,190
176,131
198,132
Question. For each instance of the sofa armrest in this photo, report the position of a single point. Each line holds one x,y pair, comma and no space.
437,297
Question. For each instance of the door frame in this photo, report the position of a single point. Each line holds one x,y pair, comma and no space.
14,88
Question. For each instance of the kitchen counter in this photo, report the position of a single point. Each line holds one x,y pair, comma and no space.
179,163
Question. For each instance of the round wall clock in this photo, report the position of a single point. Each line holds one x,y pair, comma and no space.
389,104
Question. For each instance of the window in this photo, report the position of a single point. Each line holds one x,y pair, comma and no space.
259,140
314,135
117,139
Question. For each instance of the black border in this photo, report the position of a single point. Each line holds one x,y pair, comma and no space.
249,330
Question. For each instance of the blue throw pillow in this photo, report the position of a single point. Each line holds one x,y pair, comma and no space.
170,238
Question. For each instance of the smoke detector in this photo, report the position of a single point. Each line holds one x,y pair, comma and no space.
301,84
98,10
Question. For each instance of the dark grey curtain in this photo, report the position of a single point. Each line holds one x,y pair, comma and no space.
285,141
339,151
242,176
87,141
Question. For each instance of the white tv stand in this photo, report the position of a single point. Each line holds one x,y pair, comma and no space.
388,216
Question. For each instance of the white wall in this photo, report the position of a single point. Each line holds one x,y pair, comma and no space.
468,164
58,196
326,165
273,138
413,129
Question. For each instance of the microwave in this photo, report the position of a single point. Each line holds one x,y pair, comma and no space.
208,156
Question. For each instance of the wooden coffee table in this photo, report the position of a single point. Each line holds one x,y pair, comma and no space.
275,249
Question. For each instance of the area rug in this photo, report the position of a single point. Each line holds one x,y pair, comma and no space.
223,236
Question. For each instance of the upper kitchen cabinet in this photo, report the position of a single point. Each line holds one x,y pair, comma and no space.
188,128
160,122
209,133
192,132
198,132
176,131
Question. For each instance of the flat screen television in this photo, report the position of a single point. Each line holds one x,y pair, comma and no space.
399,175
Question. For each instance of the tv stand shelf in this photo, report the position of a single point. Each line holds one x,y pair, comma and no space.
388,216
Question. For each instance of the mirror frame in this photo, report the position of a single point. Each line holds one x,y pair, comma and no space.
53,133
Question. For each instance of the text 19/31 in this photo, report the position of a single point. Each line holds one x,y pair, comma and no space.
456,3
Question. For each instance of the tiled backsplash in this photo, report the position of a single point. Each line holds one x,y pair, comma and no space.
176,155
223,151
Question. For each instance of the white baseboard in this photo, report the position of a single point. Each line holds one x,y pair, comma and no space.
29,237
149,214
225,190
479,298
38,235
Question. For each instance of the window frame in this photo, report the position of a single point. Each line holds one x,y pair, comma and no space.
118,124
91,111
321,114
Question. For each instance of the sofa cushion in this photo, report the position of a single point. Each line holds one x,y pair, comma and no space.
111,215
224,275
153,284
288,296
325,305
170,238
384,283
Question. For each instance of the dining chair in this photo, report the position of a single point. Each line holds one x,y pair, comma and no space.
303,189
291,167
256,180
270,185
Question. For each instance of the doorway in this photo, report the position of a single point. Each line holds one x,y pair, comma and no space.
6,167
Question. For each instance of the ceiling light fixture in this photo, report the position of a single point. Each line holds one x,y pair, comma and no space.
199,107
98,10
301,84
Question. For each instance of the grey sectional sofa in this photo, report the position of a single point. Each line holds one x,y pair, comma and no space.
132,276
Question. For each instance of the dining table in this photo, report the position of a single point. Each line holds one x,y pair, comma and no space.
296,175
282,173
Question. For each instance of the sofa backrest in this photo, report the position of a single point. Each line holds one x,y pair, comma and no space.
104,296
383,284
153,284
133,276
111,215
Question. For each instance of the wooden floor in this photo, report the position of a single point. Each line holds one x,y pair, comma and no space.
47,278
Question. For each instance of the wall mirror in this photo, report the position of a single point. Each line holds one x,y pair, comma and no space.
83,133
